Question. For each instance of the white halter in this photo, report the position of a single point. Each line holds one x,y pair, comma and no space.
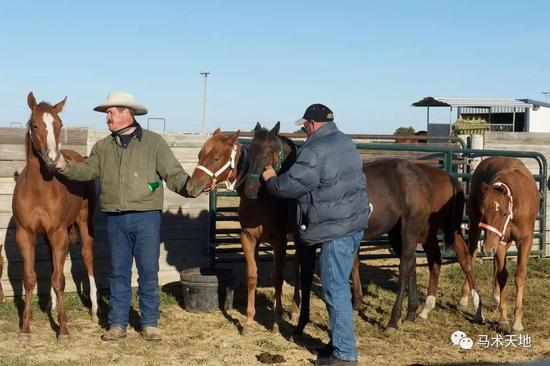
230,164
508,218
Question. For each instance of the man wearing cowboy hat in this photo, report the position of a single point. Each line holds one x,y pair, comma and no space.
131,164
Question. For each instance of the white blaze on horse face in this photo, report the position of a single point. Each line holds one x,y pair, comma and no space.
50,136
497,206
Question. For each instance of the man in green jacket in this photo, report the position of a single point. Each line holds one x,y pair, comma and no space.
131,164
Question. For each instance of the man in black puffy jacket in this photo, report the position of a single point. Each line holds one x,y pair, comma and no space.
328,182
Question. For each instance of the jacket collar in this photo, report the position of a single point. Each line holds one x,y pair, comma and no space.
327,129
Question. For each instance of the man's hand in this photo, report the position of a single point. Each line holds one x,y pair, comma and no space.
61,163
268,173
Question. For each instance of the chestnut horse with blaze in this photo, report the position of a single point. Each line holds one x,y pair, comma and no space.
504,201
46,204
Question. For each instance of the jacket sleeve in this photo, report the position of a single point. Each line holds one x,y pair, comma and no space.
85,170
170,169
301,178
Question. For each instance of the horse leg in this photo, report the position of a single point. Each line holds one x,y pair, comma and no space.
501,276
249,249
465,260
279,258
524,249
296,296
407,268
473,237
26,243
306,256
59,240
433,254
356,283
84,225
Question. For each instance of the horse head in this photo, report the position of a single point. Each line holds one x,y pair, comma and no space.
44,128
265,149
216,161
497,210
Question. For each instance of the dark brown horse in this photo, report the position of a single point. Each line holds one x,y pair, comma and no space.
46,204
504,201
223,159
402,197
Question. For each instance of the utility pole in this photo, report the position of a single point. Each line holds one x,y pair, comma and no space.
546,95
205,74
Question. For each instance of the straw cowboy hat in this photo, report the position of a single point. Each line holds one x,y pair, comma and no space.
121,99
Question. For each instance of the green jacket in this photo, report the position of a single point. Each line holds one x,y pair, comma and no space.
125,172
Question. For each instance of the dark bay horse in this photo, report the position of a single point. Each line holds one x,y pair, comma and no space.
223,159
401,195
504,201
46,204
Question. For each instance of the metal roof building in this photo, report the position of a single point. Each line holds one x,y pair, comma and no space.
502,114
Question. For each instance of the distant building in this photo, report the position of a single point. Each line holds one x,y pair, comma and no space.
502,114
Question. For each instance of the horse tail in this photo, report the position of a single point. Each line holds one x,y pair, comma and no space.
457,212
73,233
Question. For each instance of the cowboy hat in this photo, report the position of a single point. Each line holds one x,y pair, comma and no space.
121,99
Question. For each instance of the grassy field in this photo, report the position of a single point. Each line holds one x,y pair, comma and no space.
214,339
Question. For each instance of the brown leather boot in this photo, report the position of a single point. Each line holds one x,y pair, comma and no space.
114,334
151,334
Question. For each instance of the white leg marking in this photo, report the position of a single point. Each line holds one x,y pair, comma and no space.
430,304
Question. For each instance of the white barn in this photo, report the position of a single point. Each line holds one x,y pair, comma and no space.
503,114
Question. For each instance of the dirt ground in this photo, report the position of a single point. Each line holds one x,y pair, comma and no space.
214,339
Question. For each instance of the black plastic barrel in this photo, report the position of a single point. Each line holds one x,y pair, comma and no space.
207,289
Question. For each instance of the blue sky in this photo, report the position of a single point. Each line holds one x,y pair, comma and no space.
367,60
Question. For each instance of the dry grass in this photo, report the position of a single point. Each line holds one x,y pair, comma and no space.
213,338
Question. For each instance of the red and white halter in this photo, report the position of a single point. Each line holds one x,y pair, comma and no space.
508,218
231,164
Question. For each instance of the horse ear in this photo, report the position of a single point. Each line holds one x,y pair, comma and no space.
231,139
31,101
59,106
217,132
258,128
275,130
501,189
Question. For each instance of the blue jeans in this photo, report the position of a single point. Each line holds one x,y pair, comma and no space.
336,261
134,235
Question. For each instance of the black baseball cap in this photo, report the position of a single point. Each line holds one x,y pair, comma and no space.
318,113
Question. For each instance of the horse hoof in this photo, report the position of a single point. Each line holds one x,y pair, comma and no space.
407,323
463,302
275,328
503,327
63,338
246,331
516,332
390,330
24,337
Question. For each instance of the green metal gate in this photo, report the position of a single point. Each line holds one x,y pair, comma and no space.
223,241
